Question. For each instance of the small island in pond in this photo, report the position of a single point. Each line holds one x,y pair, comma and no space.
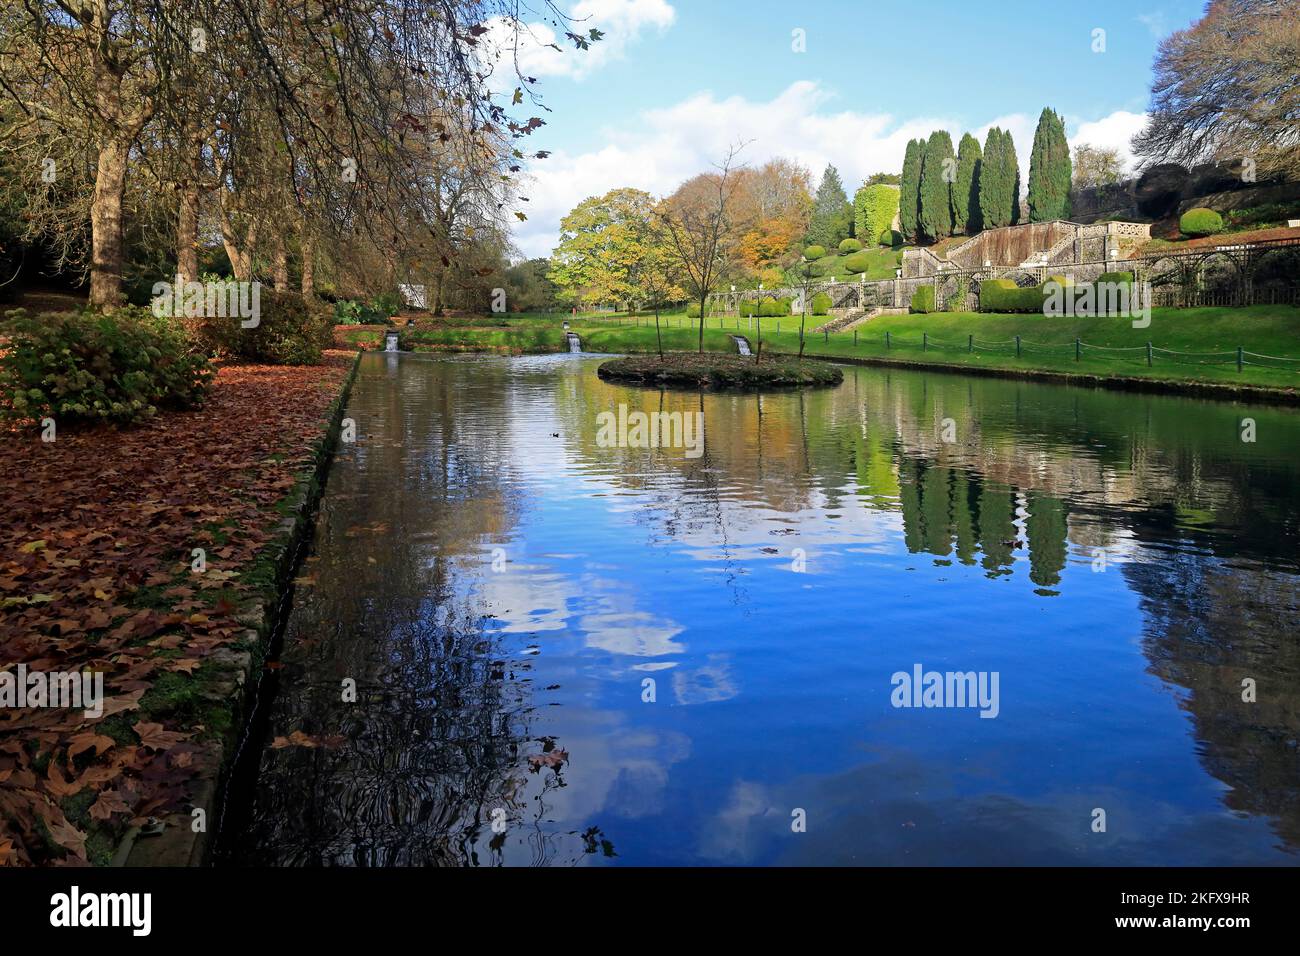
711,370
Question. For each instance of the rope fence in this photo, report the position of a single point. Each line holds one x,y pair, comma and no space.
1241,357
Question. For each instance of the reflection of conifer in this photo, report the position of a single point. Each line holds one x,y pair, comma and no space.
909,497
1046,530
997,527
966,505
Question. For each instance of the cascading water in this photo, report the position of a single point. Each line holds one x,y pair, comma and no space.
742,344
390,342
575,343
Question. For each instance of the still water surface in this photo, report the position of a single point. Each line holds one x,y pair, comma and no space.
500,588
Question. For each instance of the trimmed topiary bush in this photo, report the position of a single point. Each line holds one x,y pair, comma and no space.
1200,222
848,246
121,367
875,208
814,252
890,238
1003,295
1120,278
922,300
821,304
858,262
774,308
814,269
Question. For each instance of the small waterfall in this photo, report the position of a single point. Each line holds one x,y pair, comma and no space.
390,341
742,345
575,343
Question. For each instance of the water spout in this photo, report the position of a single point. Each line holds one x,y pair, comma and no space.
575,343
390,342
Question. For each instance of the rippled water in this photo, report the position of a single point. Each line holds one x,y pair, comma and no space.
500,588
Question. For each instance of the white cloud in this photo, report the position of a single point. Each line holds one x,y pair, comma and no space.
1114,131
662,147
1155,22
621,22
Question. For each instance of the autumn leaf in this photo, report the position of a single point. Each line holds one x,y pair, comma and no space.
83,742
155,737
57,785
108,803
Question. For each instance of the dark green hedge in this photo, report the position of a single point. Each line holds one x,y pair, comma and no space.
821,304
923,300
1003,295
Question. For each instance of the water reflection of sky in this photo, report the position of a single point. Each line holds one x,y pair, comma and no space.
772,686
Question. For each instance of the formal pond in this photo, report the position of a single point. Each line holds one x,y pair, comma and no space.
517,642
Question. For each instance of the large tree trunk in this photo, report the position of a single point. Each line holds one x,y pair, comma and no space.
107,240
241,259
308,268
187,235
435,301
281,264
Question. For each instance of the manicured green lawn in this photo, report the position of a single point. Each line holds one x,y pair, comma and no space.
883,261
1188,344
1208,339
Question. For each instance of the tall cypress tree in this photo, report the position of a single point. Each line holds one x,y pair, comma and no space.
1049,170
992,184
831,214
965,191
1013,176
938,173
909,189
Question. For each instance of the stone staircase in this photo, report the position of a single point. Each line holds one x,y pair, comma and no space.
842,319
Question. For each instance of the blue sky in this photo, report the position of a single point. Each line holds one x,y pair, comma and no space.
676,81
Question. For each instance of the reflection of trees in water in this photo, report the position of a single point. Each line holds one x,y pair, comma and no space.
439,735
1210,624
442,733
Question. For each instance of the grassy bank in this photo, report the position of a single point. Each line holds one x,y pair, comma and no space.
1188,345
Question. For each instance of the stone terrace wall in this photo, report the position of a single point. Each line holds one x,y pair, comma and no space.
1010,245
